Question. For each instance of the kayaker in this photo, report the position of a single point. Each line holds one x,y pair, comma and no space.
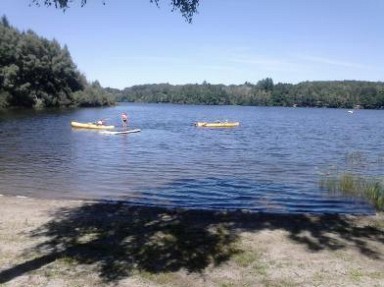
100,122
124,118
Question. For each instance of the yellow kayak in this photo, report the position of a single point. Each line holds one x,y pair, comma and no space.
90,126
217,124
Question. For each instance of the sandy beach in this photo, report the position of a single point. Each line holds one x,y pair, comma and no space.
78,243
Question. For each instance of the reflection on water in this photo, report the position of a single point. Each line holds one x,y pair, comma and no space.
273,162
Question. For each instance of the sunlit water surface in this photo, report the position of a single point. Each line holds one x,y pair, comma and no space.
272,162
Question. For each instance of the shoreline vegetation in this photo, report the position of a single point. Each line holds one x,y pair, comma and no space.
348,184
317,94
40,73
81,243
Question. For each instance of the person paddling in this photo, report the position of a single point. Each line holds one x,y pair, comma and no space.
100,122
124,119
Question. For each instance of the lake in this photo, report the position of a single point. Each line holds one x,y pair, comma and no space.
272,162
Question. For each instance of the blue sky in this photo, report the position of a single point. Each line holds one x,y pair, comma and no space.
131,42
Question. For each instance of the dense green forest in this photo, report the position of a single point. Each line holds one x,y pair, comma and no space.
332,94
36,72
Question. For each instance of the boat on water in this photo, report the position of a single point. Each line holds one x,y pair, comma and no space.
91,126
121,132
217,124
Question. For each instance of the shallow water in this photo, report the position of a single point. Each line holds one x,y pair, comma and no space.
273,162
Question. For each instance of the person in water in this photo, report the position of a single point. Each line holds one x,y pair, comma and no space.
124,119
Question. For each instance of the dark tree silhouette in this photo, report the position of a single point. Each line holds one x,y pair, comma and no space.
187,8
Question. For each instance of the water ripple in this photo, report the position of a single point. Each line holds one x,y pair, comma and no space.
272,163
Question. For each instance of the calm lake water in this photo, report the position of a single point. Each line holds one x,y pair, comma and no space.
273,162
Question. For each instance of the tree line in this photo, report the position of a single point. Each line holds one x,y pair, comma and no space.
331,94
36,72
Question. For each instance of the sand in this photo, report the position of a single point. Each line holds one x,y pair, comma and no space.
79,243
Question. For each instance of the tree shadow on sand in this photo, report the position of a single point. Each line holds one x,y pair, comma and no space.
119,239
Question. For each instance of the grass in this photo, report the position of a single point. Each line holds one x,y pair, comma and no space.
356,275
348,184
165,279
280,283
245,259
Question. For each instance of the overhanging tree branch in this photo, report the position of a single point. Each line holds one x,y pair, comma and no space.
187,8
